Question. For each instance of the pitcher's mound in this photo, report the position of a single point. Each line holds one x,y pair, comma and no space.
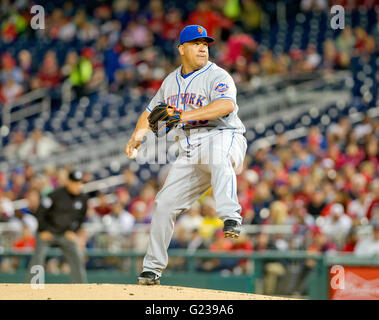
119,292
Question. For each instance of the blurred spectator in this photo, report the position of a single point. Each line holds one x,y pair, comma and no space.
303,159
204,16
318,5
27,66
32,198
312,58
373,208
329,57
137,36
103,207
357,208
239,45
123,197
86,30
26,242
211,223
98,75
9,70
12,149
49,75
40,145
119,221
372,152
195,241
278,213
81,74
246,194
315,140
350,242
317,203
179,239
55,22
261,203
192,219
337,224
146,195
70,63
22,220
6,208
364,42
12,25
172,25
138,210
251,15
369,246
132,183
10,91
17,185
157,17
345,42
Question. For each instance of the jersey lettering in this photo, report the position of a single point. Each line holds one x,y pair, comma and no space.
192,98
200,100
184,97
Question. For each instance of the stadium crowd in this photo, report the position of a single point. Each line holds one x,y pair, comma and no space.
324,186
132,47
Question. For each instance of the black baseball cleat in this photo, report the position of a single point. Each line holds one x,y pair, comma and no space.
148,278
232,229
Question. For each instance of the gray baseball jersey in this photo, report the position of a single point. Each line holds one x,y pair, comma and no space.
198,89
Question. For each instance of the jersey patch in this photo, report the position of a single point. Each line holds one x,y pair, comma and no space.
221,87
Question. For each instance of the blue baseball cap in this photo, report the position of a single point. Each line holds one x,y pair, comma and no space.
193,32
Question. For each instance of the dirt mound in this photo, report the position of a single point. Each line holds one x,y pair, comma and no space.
119,292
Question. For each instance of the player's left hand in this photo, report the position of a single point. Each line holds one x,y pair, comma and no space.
163,118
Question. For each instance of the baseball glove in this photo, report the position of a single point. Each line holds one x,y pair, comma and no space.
163,118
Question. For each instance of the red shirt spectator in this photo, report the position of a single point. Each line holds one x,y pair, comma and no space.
205,17
173,24
25,242
50,74
220,243
237,46
103,207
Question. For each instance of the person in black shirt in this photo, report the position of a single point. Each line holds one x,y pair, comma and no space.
60,215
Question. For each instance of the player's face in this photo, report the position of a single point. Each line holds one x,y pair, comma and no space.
194,53
74,187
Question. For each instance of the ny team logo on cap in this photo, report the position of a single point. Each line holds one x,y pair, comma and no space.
193,32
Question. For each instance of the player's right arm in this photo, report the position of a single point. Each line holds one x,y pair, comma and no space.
140,131
142,127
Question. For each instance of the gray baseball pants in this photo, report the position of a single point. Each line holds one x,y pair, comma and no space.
204,161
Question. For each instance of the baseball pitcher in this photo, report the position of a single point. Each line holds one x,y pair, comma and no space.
198,102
